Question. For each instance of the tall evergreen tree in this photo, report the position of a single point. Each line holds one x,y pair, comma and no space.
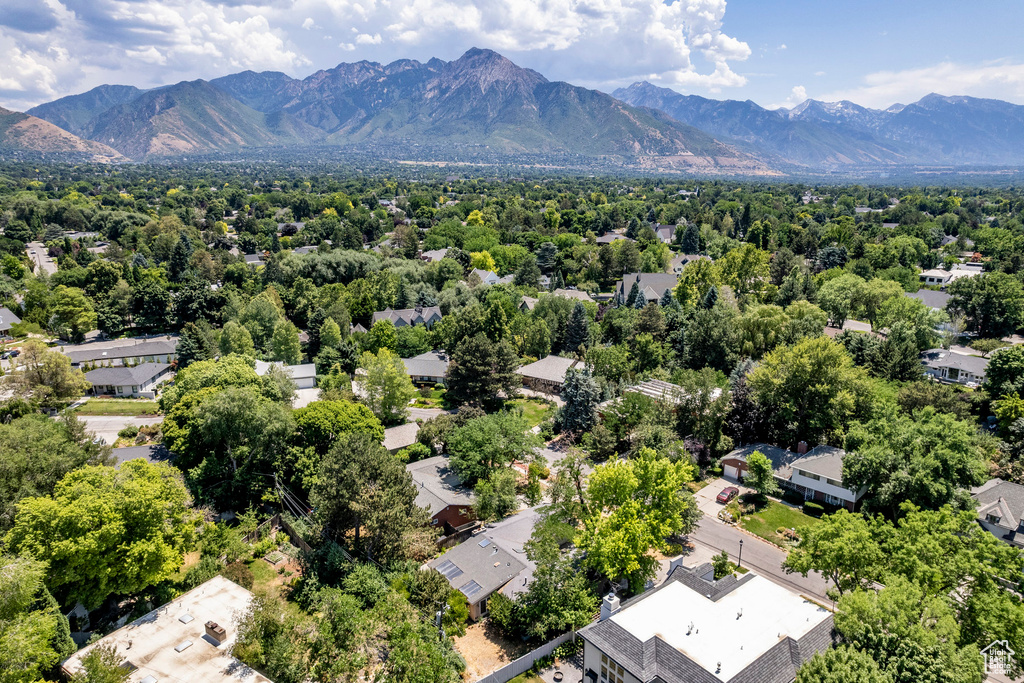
193,346
634,291
710,299
581,395
690,243
641,300
577,329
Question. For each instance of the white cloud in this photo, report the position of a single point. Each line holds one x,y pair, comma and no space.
151,42
783,47
1002,80
819,73
797,95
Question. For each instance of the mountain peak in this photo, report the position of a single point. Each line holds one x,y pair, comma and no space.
487,67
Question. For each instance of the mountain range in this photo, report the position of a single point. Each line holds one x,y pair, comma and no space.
959,131
482,103
22,132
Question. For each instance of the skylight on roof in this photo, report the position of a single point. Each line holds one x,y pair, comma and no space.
186,618
484,543
449,570
471,589
184,646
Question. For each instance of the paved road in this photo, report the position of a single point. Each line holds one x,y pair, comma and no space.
425,413
41,262
763,558
107,427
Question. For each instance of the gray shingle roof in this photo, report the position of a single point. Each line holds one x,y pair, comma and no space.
437,486
7,318
930,298
302,371
825,461
481,560
121,348
401,436
572,294
1003,499
409,316
429,364
941,358
650,283
123,376
551,368
780,458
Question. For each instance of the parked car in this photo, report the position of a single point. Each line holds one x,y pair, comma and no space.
727,494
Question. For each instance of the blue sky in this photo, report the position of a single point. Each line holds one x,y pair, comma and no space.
775,52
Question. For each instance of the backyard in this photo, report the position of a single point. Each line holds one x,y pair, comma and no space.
534,410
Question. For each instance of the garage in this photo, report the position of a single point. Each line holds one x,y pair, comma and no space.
731,472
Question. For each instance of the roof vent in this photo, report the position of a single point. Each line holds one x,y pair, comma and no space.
216,631
609,606
740,613
719,668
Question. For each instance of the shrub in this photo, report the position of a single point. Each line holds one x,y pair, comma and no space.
416,451
239,573
129,432
207,568
792,497
263,547
722,565
813,509
425,392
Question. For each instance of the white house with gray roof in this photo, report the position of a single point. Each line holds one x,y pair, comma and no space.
816,475
949,366
653,285
427,368
303,375
694,629
141,380
478,568
1000,506
7,319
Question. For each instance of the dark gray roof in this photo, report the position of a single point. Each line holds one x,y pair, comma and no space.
930,298
480,567
429,364
7,318
409,316
941,358
122,376
437,486
121,348
656,283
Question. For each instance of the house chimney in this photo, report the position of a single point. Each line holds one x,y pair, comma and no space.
216,631
609,606
801,448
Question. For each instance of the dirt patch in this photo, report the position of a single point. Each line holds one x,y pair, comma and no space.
485,650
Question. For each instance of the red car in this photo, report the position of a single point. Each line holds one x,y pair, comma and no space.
727,494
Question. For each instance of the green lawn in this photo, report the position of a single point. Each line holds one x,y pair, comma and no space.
527,678
118,406
769,519
534,411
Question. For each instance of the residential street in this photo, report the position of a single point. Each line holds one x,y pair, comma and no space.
761,557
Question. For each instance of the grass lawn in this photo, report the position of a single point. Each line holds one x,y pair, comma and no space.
768,519
129,407
527,678
534,411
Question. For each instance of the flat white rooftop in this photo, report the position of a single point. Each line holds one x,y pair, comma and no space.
769,614
157,644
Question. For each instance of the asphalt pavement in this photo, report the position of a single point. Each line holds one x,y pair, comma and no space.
107,427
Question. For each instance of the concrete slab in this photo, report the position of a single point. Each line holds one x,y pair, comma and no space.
706,496
107,427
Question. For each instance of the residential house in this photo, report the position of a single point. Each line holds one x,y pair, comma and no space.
488,277
141,380
401,436
1000,506
574,294
949,366
7,319
188,639
303,375
427,368
816,475
433,255
931,298
254,260
159,349
440,491
665,233
506,279
547,374
680,261
478,568
653,285
309,249
610,238
942,277
527,304
819,477
694,629
402,317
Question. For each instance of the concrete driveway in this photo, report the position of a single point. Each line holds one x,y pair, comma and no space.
106,427
706,496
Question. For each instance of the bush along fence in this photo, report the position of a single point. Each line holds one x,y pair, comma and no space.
527,661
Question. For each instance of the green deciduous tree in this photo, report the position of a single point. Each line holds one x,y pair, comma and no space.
993,303
45,376
284,344
761,475
235,338
843,547
487,443
386,384
842,664
107,530
633,508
